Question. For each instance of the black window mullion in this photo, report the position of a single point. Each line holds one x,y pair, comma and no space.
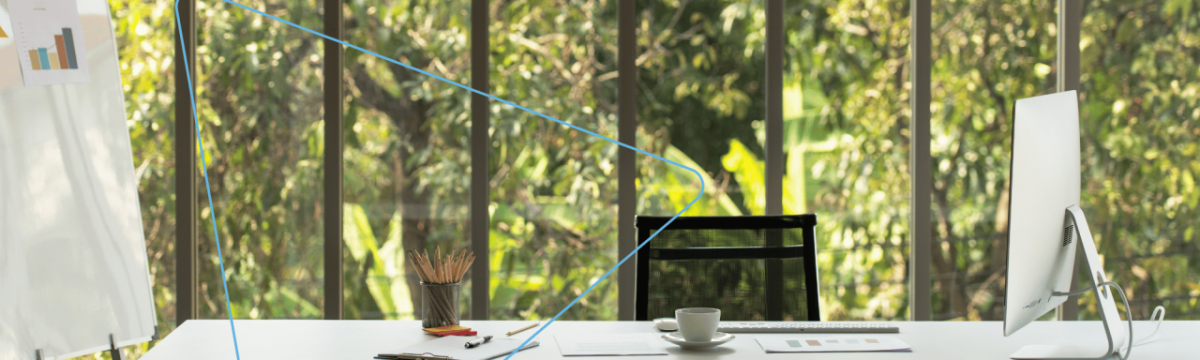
185,167
626,162
480,148
332,157
920,163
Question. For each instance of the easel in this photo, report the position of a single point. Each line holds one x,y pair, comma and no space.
114,352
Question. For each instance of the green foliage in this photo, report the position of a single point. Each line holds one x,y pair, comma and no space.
1138,117
700,74
386,282
146,64
258,102
846,137
988,55
554,189
407,161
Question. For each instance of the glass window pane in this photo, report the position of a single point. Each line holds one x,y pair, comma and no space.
147,76
407,156
553,189
846,121
259,105
701,68
986,55
1138,119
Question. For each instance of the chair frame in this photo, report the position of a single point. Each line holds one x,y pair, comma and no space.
772,252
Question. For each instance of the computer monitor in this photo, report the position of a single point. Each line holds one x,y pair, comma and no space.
1046,225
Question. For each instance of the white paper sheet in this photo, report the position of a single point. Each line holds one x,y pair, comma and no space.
610,345
831,343
452,346
50,41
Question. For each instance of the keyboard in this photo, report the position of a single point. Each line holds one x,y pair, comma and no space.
793,327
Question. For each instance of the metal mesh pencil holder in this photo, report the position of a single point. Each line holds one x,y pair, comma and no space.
439,304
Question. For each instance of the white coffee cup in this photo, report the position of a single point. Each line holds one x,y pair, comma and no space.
698,323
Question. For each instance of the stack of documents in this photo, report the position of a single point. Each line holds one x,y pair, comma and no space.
831,343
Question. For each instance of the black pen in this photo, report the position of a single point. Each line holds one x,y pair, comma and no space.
477,342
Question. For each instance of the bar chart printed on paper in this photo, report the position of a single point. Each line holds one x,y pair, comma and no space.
49,41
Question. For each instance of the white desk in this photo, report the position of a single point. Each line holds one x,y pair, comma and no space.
362,340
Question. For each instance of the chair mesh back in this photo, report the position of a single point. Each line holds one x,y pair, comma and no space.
736,281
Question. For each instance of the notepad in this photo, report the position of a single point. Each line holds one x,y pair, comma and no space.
449,330
831,343
451,348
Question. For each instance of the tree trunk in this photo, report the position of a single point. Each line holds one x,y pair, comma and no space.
409,118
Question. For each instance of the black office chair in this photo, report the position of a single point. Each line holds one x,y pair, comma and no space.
751,267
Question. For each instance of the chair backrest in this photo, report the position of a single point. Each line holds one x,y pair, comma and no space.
750,267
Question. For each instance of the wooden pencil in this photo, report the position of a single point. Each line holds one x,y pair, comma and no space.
527,327
437,266
460,264
429,269
469,260
412,260
441,268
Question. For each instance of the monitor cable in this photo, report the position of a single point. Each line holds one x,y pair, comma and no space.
1159,312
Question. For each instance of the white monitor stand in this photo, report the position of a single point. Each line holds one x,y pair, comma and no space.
1108,308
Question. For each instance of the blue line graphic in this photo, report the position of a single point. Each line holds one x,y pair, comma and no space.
207,188
490,96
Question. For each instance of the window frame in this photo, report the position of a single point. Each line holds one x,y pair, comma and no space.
1069,23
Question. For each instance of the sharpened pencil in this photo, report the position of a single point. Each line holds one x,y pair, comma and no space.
518,331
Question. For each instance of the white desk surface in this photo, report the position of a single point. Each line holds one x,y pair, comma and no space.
363,339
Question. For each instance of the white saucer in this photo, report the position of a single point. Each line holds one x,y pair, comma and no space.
718,339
